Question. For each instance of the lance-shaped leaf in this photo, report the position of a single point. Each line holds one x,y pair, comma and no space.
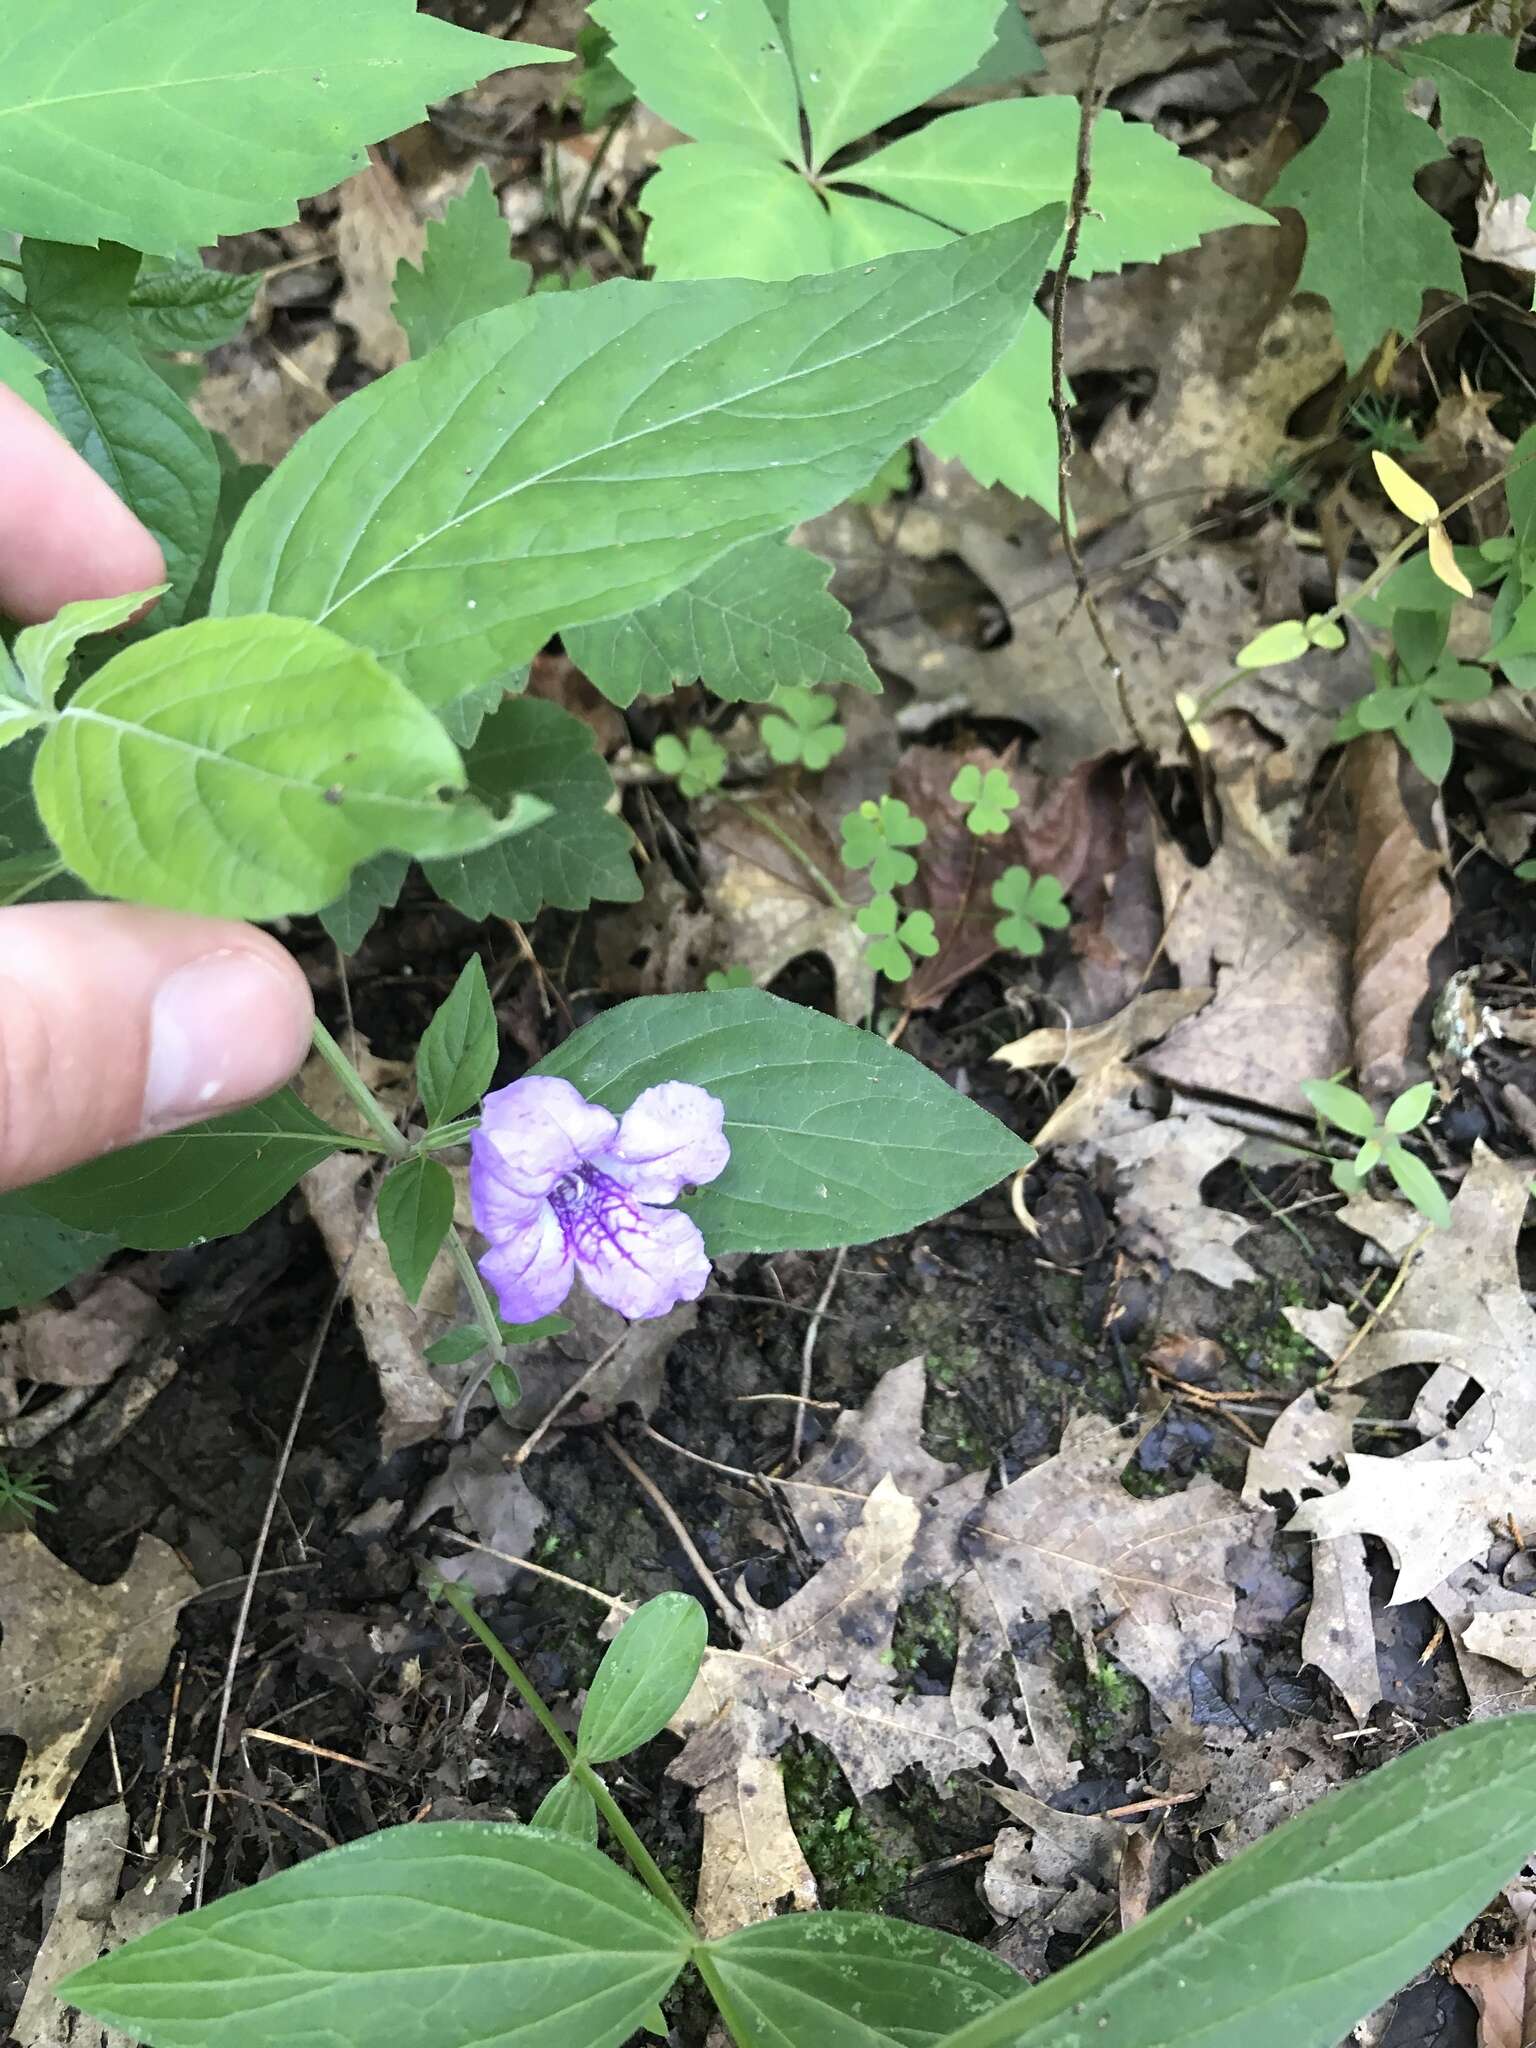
583,454
646,1673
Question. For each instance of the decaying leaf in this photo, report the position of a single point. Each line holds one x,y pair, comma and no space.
83,1346
1503,1988
1099,1060
492,1502
1160,1212
95,1845
1507,1638
751,1862
376,230
71,1654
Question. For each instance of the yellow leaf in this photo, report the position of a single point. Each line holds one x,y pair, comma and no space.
1442,559
1410,498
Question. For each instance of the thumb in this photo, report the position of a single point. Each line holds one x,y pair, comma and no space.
118,1024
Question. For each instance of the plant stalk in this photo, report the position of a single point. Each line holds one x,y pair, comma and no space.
368,1105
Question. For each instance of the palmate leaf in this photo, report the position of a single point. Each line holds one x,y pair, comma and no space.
721,209
466,269
581,455
164,126
758,619
716,69
1374,247
862,62
836,1138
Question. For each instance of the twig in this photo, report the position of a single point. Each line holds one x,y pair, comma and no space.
1399,1281
579,1386
330,1756
1154,1805
729,1611
740,1472
808,1355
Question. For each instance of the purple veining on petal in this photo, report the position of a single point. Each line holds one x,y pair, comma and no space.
539,1128
671,1137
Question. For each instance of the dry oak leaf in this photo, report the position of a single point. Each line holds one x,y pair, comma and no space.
1160,1213
71,1654
1507,1638
1503,1988
1098,1059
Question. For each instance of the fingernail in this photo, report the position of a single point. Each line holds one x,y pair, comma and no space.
210,1046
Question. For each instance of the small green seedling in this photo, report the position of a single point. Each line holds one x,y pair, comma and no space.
896,938
1408,701
1033,904
1382,1143
697,767
22,1497
873,838
801,730
989,797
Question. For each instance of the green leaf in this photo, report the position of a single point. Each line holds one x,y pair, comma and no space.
872,838
166,127
697,767
41,653
646,1673
30,867
1014,56
836,1138
1288,1945
1409,1110
415,1215
568,1809
628,482
1419,1185
22,371
1034,905
1482,95
716,69
507,1938
989,797
854,1980
862,62
897,939
1374,247
720,209
757,620
466,269
207,1181
39,1253
1286,641
1418,638
987,164
243,767
458,1346
802,728
579,853
176,305
111,406
1428,738
374,886
1341,1106
457,1054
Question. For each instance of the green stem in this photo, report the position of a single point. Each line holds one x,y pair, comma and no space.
458,1598
485,1312
774,831
369,1107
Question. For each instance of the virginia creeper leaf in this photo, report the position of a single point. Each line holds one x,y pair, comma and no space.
1484,96
457,1054
244,767
165,126
646,1673
720,209
415,1215
175,305
466,269
757,619
206,1181
861,62
508,1938
583,454
1374,247
836,1137
716,69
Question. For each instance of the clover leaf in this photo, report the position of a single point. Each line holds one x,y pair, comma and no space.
696,768
990,797
896,938
805,731
873,836
1034,905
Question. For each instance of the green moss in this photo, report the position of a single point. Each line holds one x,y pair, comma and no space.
927,1633
853,1867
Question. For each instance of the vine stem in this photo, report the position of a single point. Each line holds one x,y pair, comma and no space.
646,1868
360,1094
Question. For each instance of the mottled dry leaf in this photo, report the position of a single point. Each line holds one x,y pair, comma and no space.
1403,914
84,1346
1508,1638
71,1654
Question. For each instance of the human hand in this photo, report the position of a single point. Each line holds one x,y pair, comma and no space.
115,1023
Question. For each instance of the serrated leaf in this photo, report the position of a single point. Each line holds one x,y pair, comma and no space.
663,398
647,1672
986,164
243,767
21,371
1482,95
41,653
467,268
1374,247
716,69
169,126
39,1253
415,1215
507,1937
1014,56
862,62
374,886
579,853
854,1980
1288,1945
568,1809
175,305
758,619
112,407
721,209
457,1054
836,1138
207,1181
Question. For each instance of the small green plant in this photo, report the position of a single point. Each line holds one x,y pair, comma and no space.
1033,905
697,767
23,1496
1411,689
1381,1143
721,978
897,940
801,729
988,796
876,836
1381,425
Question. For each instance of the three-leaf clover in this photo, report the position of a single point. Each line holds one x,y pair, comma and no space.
800,728
696,768
1034,905
873,837
1382,1142
896,938
1408,703
990,796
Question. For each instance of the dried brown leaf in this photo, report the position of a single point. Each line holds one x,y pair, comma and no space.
1099,1058
1503,1988
376,231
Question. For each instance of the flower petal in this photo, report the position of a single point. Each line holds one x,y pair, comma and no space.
671,1137
540,1128
641,1261
531,1270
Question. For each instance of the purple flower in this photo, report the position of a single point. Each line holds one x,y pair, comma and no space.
560,1186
